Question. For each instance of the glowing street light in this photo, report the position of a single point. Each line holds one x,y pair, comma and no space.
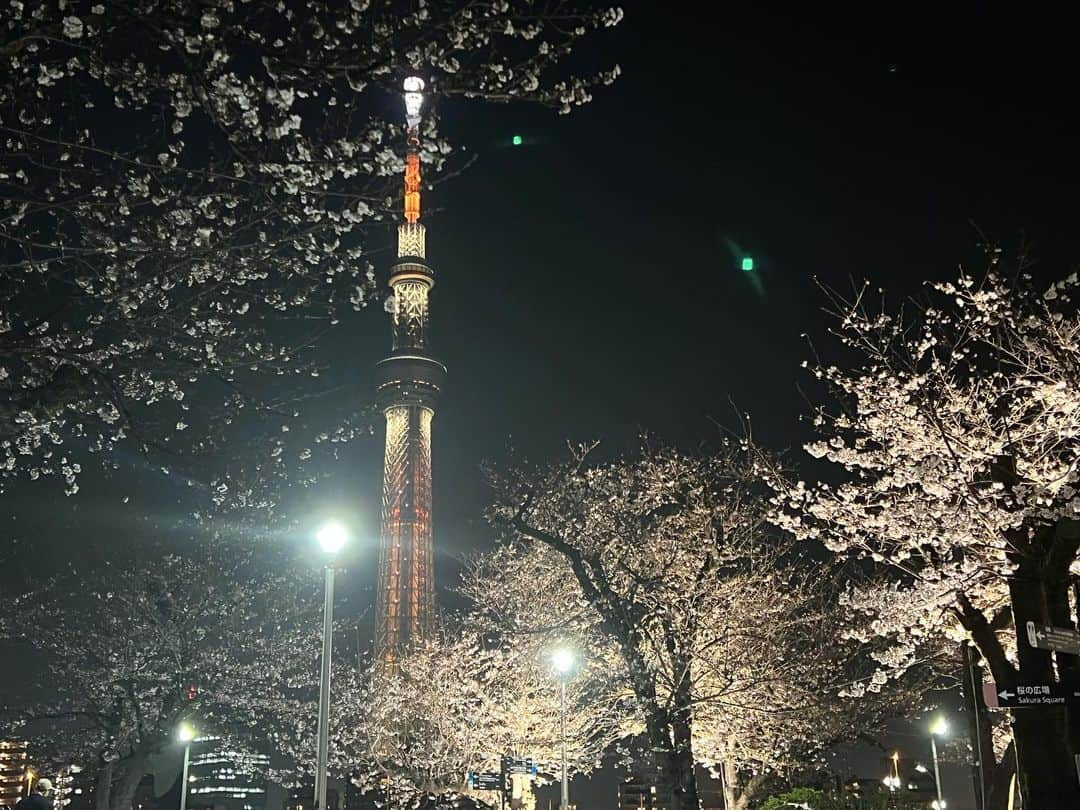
747,264
332,537
939,728
517,140
563,661
185,733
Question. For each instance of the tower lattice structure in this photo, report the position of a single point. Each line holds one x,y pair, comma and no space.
408,383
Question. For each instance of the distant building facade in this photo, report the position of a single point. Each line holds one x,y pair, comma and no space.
221,778
13,763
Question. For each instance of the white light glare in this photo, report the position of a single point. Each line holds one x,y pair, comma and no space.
940,727
920,768
414,99
185,733
332,537
563,660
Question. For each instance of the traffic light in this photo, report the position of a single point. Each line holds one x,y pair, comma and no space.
747,264
517,140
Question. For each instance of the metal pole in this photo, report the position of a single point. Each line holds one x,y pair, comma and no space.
973,704
937,774
184,777
323,753
565,803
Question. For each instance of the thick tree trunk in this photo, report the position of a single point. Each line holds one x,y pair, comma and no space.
1000,779
1040,593
746,793
731,778
123,792
103,787
681,764
675,761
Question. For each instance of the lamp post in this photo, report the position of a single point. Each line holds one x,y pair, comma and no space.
939,728
563,661
331,537
185,734
893,782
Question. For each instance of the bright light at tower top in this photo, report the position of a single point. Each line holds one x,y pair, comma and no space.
332,537
185,733
414,100
940,727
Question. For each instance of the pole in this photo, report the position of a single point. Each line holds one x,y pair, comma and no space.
937,774
973,705
184,777
323,753
565,803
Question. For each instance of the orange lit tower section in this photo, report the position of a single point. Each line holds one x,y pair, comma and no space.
407,385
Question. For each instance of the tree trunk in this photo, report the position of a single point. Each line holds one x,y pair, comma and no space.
1047,770
103,786
1000,779
746,793
123,792
679,773
675,761
731,778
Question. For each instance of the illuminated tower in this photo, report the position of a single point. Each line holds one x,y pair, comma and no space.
407,386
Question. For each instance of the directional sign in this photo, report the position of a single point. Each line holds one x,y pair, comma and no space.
1059,639
519,765
1028,695
486,780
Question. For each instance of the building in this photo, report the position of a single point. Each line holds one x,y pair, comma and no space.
222,778
407,385
13,764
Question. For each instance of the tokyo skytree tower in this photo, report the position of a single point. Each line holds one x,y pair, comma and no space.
407,383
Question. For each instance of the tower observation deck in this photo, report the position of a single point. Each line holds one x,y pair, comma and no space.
407,384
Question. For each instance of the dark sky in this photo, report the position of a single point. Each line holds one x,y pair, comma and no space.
588,279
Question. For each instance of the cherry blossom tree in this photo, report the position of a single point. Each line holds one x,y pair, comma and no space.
456,704
664,565
130,651
958,428
187,200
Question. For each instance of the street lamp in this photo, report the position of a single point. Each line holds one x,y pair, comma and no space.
331,537
939,728
185,734
563,660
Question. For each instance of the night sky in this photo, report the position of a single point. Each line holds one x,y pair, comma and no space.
589,283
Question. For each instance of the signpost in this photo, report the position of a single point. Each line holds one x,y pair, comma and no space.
486,780
1058,639
525,766
1027,695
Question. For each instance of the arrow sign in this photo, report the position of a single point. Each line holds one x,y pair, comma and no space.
1058,639
519,765
1029,695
